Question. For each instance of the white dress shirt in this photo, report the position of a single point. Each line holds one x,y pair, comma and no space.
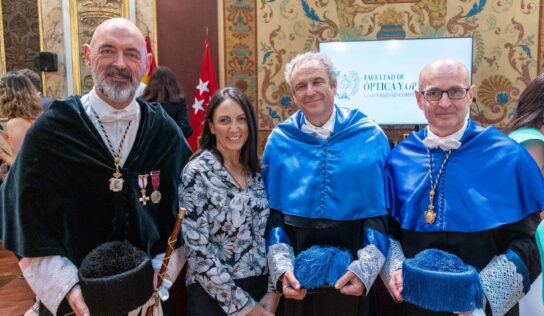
452,141
114,121
323,132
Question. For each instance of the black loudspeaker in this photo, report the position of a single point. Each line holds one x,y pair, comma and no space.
48,62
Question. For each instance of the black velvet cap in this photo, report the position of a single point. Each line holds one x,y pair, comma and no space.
116,278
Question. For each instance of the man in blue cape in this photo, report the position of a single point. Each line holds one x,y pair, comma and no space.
323,173
86,174
465,190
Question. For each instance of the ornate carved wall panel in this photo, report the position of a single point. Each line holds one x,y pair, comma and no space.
21,34
507,36
85,16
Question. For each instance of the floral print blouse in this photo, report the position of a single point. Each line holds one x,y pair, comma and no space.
223,231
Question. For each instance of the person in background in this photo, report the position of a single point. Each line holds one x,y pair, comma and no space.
37,82
164,89
227,211
90,171
463,189
323,173
527,128
20,105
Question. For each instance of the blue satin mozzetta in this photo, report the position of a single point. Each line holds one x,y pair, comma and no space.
521,268
277,235
486,183
374,237
340,178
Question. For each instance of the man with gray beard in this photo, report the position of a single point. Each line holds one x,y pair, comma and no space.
90,171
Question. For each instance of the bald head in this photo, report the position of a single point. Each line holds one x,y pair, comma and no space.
444,95
118,24
442,67
118,59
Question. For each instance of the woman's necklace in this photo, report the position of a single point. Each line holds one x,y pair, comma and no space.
116,182
239,175
430,214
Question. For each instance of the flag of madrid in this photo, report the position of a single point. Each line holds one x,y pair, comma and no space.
207,85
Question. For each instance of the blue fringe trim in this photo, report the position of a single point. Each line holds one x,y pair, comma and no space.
277,235
442,282
318,266
374,237
521,268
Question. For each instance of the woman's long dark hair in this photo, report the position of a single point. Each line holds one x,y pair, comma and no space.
530,112
162,86
248,155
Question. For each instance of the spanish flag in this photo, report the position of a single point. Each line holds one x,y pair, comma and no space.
153,65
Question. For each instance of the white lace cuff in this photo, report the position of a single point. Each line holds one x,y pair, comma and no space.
502,284
51,278
393,262
280,259
368,266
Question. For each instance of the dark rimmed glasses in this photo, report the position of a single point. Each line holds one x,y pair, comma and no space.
456,93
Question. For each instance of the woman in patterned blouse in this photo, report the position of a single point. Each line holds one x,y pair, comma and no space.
227,211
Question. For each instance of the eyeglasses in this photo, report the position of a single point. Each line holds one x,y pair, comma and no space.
436,94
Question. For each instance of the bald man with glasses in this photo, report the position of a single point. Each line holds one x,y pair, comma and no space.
463,189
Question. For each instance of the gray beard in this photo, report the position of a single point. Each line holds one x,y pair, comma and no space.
118,92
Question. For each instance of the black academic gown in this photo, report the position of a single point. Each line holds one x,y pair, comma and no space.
476,249
56,200
500,161
304,233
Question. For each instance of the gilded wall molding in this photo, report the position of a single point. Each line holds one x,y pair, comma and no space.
85,16
146,21
2,48
540,62
155,41
42,45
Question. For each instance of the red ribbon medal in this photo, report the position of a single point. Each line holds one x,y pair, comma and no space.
155,182
142,183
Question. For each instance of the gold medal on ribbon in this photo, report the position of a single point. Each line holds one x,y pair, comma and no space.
116,182
430,214
155,182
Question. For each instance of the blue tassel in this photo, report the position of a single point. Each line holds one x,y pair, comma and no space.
339,265
318,266
440,281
